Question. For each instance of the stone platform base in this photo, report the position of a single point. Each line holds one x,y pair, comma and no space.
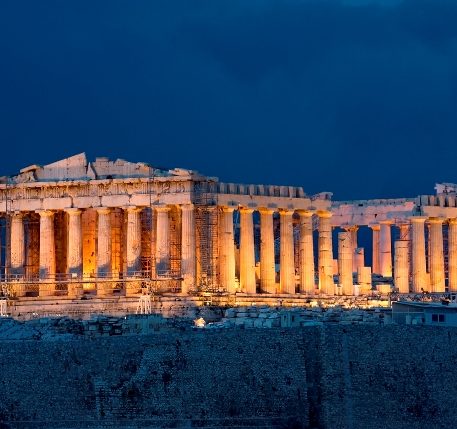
173,305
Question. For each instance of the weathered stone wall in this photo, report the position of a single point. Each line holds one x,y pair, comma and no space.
389,377
332,376
168,379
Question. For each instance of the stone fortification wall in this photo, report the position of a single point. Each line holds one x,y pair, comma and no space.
169,379
388,377
330,376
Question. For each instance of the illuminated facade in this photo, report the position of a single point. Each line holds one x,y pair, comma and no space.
110,228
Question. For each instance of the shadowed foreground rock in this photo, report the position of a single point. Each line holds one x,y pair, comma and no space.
324,376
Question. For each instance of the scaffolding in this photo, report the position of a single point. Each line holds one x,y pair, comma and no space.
5,237
207,236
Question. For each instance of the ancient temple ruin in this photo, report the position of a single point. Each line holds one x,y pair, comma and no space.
105,228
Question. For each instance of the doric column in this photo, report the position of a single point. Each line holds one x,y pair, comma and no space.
47,245
418,254
401,266
437,282
247,256
104,250
375,249
75,243
227,250
359,258
104,242
452,254
306,252
287,266
353,231
74,251
325,257
345,259
47,252
385,249
133,240
187,247
17,244
267,252
163,240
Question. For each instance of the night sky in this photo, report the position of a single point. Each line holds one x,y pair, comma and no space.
354,97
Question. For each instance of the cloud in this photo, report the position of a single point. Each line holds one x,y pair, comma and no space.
289,91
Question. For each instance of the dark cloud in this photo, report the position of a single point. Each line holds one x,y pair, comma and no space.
357,97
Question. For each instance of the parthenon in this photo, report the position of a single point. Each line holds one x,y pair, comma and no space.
111,228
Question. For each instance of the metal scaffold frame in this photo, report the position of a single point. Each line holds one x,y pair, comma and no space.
207,236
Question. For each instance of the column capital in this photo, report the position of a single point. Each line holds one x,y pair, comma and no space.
286,212
227,209
324,214
350,228
452,221
103,210
132,209
17,215
45,213
73,211
375,226
162,209
187,207
418,219
386,222
267,210
246,210
435,220
305,213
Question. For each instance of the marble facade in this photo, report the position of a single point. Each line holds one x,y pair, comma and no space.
111,227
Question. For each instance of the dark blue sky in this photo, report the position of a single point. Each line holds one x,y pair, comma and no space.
356,97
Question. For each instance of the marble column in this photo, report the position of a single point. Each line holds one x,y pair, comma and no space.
75,243
227,250
375,249
401,266
452,254
247,255
104,250
306,252
188,267
419,274
133,240
104,242
287,266
74,251
359,258
353,231
163,240
437,281
47,252
345,259
17,245
325,257
385,249
267,252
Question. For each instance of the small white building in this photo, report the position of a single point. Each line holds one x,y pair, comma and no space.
424,313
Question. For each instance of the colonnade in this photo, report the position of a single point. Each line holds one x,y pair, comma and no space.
416,268
306,265
74,251
413,268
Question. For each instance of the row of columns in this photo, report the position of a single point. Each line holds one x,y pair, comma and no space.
267,252
421,280
133,249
